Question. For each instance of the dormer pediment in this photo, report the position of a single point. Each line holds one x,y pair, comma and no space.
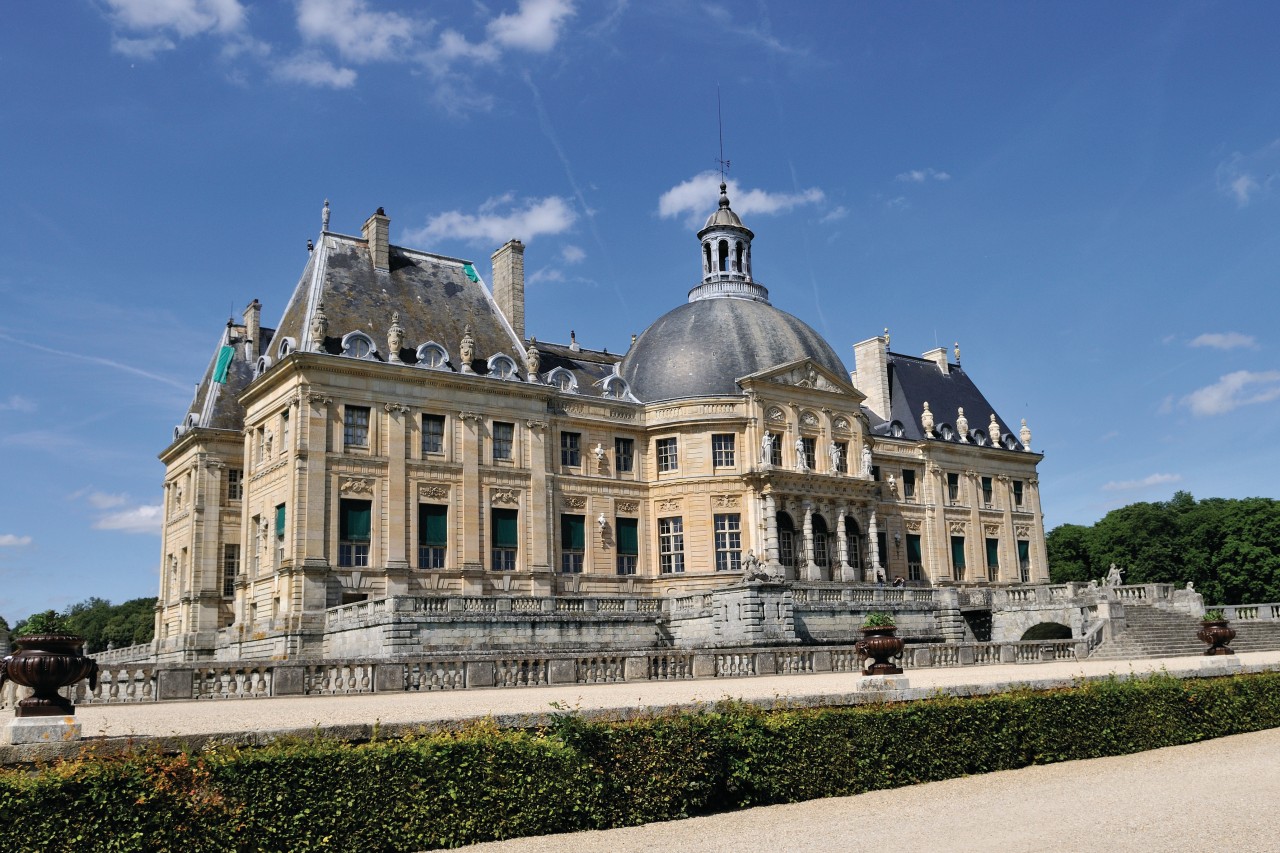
804,373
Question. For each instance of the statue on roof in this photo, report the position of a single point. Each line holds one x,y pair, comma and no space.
467,350
395,337
319,328
533,358
962,426
926,421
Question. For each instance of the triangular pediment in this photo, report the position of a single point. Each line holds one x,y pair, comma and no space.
804,373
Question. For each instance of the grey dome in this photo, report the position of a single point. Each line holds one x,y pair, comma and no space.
702,348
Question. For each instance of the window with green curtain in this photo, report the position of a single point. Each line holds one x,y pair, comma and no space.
1024,552
913,548
280,520
993,552
573,532
506,528
354,520
433,524
628,536
957,551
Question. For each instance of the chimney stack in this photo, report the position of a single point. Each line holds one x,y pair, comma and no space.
375,231
939,357
871,374
252,328
508,284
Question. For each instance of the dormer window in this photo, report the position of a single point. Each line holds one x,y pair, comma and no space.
286,346
264,364
1011,443
432,355
979,437
564,380
615,386
502,367
358,345
946,432
896,430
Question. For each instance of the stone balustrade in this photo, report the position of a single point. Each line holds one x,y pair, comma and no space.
1268,612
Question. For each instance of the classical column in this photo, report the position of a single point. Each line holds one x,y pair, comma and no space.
397,508
873,549
812,572
1040,560
974,545
1008,539
472,517
842,547
312,544
539,510
771,533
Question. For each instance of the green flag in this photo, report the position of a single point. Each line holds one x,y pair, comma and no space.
471,272
224,361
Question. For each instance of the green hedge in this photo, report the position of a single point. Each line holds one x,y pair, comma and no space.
449,789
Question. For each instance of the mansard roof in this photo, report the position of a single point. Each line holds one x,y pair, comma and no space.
916,381
216,405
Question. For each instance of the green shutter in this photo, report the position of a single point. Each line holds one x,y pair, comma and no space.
506,532
628,537
280,520
993,552
471,272
1024,551
573,534
913,548
354,518
433,525
957,551
224,361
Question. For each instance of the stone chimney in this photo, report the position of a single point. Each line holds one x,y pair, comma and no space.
252,329
508,284
872,374
375,234
939,357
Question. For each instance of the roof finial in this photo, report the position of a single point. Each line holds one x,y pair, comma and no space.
324,216
886,337
724,164
957,352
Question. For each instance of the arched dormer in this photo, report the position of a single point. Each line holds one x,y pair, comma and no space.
433,356
564,380
358,345
616,387
501,366
286,346
263,365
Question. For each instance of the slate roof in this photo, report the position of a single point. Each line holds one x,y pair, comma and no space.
915,381
215,405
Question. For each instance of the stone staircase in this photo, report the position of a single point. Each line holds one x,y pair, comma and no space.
1156,633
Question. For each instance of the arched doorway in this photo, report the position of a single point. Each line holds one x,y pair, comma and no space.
1047,631
789,544
822,546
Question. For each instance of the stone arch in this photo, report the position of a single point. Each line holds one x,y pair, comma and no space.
789,545
1047,631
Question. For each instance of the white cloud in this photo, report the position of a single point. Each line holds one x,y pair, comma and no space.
898,203
573,254
535,26
18,403
835,214
102,500
546,274
1144,483
10,540
920,176
498,220
186,18
1246,177
143,48
699,195
359,33
1241,388
138,519
314,71
1225,340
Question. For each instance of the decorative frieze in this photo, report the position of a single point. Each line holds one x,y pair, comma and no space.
957,528
913,525
575,501
1022,531
433,491
626,506
991,529
355,486
669,504
504,496
726,501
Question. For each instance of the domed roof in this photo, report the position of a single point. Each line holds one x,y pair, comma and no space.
702,348
724,214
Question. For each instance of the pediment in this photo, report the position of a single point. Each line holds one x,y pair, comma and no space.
804,373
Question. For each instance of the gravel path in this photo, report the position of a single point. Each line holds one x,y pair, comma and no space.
1217,795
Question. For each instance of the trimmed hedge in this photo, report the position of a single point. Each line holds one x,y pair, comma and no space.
448,789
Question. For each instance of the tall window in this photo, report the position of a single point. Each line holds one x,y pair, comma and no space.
506,539
728,542
775,454
1024,560
668,454
230,568
279,535
433,433
843,466
355,426
722,450
953,487
1017,493
882,542
671,545
571,449
433,535
908,483
255,561
987,494
628,545
624,450
503,438
573,542
957,557
235,484
915,562
993,559
810,452
284,431
354,524
875,473
787,547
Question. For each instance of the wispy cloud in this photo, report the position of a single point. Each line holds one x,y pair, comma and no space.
573,254
1247,177
699,195
161,20
732,20
314,70
835,214
498,220
138,519
544,275
535,26
1225,340
18,403
11,540
920,176
1241,388
102,362
1144,483
358,33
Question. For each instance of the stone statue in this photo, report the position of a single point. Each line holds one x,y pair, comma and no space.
752,570
802,464
834,452
1191,587
319,328
866,462
893,485
993,430
962,426
395,337
467,351
533,359
766,449
1025,435
1113,575
926,421
598,452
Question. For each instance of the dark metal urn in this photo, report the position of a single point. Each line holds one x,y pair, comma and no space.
1217,633
879,646
46,663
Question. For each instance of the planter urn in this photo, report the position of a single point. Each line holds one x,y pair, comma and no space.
47,663
1217,633
880,645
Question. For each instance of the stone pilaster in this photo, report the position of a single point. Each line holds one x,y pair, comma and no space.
398,510
472,517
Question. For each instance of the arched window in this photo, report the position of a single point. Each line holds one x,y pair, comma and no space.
264,364
564,380
432,355
723,249
979,437
358,345
502,367
737,257
706,250
287,345
615,386
896,429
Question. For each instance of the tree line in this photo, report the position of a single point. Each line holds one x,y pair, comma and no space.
104,624
1228,548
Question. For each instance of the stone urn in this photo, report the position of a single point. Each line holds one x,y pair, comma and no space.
46,663
879,645
1217,633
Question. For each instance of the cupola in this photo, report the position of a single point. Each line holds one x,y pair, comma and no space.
726,257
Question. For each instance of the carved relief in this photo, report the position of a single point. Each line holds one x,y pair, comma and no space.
1022,531
504,496
536,424
432,490
809,419
575,502
669,504
991,529
471,416
626,506
319,399
725,501
957,528
913,525
841,424
395,407
776,414
355,486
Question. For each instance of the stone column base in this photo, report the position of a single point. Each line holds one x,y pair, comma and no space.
42,730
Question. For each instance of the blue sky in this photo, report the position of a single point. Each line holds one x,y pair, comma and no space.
1085,195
